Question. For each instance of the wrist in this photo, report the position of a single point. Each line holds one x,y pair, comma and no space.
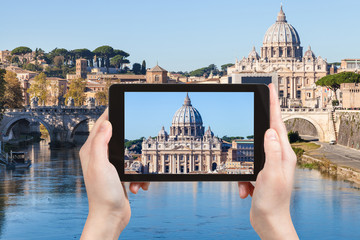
104,225
275,227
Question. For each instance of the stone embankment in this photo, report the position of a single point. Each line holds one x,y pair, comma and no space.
349,128
325,166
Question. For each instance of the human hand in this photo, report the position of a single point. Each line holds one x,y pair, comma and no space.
109,209
270,207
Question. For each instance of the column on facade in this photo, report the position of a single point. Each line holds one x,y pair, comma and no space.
156,163
208,162
170,163
291,88
285,87
200,161
185,164
191,163
178,164
162,163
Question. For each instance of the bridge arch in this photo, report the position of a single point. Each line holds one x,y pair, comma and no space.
75,126
320,131
7,128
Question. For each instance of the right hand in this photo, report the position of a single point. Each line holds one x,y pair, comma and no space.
270,207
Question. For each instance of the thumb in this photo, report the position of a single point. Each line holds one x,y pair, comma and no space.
273,151
99,146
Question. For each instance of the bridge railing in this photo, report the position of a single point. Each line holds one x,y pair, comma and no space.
305,110
58,109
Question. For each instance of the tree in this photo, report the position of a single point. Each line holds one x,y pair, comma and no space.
136,68
13,97
294,137
116,61
21,51
60,52
2,92
83,53
58,61
334,81
105,53
143,67
77,91
250,137
225,66
101,98
39,88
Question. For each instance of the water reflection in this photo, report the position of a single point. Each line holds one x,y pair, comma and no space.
48,201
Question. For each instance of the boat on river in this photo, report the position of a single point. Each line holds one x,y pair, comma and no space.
18,160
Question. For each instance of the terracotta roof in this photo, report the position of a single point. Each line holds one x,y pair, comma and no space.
157,68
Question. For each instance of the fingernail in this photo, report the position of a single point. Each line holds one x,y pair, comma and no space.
271,135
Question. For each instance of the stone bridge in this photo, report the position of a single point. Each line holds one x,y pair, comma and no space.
61,122
323,121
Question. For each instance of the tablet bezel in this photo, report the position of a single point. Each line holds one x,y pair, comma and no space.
117,119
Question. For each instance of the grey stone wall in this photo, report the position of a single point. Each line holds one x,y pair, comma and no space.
349,129
302,126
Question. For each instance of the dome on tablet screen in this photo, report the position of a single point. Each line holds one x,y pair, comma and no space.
187,115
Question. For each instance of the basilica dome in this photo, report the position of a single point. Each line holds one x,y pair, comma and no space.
281,32
187,115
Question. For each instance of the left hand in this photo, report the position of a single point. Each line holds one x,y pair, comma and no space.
109,208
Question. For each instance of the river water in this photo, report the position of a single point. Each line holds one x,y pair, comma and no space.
48,201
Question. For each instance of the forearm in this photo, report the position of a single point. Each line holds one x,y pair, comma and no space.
276,227
98,227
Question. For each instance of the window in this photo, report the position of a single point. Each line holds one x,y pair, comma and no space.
281,93
280,80
157,78
298,94
319,67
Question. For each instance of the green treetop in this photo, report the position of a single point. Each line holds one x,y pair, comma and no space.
334,81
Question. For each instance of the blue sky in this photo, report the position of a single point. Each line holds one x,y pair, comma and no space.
228,114
180,35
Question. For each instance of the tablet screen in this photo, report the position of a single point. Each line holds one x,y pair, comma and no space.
189,133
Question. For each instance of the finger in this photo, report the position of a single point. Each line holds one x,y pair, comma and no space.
277,123
273,152
102,118
134,187
145,186
243,189
99,143
275,112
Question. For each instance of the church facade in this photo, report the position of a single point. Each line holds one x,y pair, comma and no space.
282,54
188,148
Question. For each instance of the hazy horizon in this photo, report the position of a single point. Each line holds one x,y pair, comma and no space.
180,36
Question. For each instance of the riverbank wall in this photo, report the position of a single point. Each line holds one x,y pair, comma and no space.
326,166
349,128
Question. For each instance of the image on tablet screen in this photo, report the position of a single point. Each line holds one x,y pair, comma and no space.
189,133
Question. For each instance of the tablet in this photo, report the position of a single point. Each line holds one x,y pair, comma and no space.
188,132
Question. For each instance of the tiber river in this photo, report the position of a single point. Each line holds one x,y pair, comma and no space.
48,201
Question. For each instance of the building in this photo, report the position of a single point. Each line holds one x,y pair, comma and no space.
81,68
240,157
349,65
187,149
156,75
282,53
350,95
5,56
